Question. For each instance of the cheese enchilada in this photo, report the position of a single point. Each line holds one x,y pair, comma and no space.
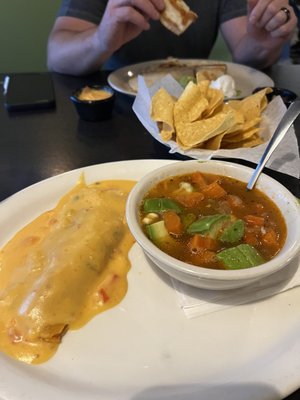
63,268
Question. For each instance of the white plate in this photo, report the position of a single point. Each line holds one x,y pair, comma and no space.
246,79
145,348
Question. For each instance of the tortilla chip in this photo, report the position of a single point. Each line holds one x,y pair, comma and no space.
252,106
239,117
253,141
190,105
192,134
197,101
203,86
177,16
162,106
241,135
214,143
216,101
210,72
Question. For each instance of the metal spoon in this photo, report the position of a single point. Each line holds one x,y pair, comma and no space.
288,118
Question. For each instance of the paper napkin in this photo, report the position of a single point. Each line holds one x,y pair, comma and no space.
195,302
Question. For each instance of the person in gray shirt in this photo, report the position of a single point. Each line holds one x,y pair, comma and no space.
90,34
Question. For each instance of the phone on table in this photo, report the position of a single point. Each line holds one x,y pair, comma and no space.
28,91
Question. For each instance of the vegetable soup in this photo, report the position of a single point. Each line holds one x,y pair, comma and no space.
212,221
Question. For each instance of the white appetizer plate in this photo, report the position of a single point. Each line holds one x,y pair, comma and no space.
246,78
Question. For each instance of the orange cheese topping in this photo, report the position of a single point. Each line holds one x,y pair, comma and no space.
89,93
63,268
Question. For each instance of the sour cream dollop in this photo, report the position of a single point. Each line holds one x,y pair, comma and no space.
226,84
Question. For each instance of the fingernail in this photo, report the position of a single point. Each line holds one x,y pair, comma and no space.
252,18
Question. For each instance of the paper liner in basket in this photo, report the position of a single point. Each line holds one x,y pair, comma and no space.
284,159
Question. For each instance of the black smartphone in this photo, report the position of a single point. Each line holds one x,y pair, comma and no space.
28,91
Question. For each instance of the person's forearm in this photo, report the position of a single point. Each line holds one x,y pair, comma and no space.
75,53
250,52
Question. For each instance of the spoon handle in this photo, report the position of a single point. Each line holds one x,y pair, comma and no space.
288,118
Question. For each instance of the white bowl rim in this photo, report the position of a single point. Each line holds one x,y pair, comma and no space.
274,265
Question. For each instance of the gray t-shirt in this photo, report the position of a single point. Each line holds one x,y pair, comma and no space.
159,43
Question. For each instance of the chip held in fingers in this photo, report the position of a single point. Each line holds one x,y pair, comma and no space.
177,16
200,118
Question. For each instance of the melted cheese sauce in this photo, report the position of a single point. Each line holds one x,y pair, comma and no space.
63,268
88,93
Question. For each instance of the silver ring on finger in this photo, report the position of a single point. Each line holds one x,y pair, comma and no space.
287,14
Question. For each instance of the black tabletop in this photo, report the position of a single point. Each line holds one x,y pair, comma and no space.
35,145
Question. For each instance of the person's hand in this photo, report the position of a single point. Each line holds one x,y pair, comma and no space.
271,22
123,20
